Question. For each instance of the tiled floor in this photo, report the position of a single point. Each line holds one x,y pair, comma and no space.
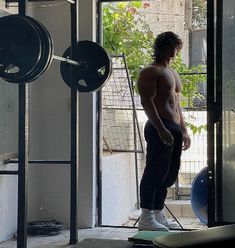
62,240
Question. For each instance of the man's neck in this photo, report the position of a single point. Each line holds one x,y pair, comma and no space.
164,63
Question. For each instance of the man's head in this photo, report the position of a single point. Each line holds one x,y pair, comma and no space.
166,45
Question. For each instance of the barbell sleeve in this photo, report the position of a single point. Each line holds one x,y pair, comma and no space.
66,60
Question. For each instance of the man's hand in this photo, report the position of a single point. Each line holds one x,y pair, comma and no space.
166,137
186,141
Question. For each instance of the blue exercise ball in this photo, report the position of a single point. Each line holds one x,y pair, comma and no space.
199,193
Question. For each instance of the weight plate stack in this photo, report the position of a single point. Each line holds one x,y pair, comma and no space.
20,49
26,49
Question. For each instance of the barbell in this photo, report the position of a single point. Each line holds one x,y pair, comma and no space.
27,51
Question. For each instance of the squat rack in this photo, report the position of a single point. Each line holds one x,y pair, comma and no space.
23,143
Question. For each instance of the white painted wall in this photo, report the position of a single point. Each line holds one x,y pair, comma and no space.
49,185
8,203
48,192
87,128
118,188
8,144
50,125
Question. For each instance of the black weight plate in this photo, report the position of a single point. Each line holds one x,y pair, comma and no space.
35,73
49,227
20,48
94,69
47,48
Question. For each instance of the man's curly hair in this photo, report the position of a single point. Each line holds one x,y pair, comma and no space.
166,40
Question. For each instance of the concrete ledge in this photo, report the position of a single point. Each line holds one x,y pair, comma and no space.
180,208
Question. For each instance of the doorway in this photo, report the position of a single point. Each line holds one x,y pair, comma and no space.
115,173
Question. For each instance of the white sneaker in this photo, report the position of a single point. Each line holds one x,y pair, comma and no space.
161,218
148,222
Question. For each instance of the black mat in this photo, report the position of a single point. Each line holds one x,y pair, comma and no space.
103,243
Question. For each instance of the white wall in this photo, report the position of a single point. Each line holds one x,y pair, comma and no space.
87,128
49,103
50,123
49,100
8,203
8,144
118,188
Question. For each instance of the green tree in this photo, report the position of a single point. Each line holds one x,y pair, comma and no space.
190,80
126,31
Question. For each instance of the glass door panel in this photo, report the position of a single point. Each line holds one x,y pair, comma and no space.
228,111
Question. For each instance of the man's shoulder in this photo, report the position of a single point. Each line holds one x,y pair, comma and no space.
151,69
148,78
174,71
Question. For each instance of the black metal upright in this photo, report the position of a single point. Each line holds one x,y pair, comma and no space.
219,121
74,129
99,123
23,155
23,143
214,110
211,110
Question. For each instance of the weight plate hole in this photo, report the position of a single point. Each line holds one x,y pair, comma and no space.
12,69
82,82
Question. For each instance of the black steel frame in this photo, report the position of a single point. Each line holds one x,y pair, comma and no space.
23,144
99,118
23,155
74,129
210,110
219,122
214,110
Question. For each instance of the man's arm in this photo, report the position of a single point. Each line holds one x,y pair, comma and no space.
186,137
147,87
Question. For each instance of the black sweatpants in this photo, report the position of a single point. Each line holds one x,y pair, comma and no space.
162,165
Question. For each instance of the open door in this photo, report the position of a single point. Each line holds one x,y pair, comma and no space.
221,111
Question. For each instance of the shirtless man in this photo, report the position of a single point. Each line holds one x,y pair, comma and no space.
165,132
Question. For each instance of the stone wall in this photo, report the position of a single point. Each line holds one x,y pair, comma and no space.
171,15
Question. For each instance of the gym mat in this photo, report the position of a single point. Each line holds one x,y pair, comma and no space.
103,243
147,237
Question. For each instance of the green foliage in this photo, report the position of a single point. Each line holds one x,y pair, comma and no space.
190,81
196,129
126,31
